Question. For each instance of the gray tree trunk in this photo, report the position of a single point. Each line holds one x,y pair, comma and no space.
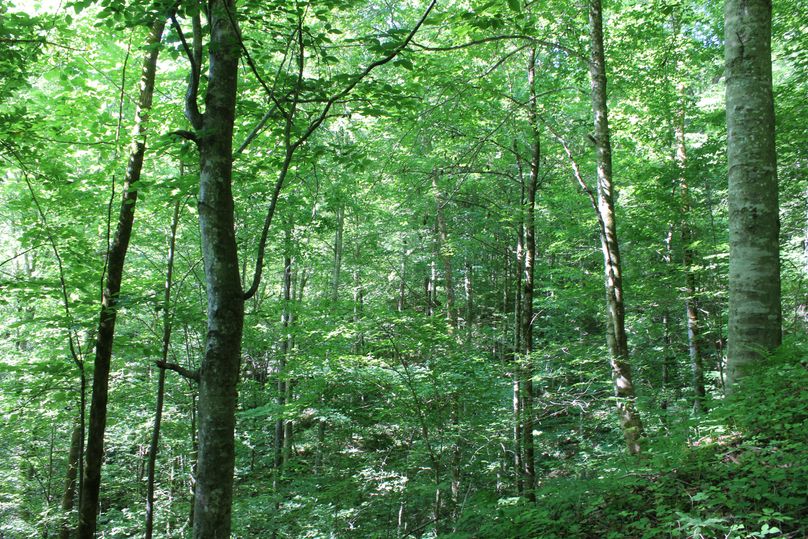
691,311
616,338
443,248
517,369
755,319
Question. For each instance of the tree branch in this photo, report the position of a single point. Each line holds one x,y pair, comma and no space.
191,104
187,373
289,151
357,79
292,147
251,62
506,37
187,135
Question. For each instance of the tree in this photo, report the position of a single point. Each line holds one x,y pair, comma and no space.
219,370
755,317
116,255
615,308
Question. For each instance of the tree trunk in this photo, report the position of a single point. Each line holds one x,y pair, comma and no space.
444,253
630,421
755,319
69,496
161,382
691,311
518,458
280,423
468,288
219,371
527,284
91,484
402,282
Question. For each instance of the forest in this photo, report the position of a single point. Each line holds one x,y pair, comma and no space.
504,269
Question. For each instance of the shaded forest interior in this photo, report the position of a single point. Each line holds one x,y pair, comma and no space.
368,269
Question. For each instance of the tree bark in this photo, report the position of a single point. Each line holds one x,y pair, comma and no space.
161,382
442,240
280,422
468,288
91,484
527,282
69,495
630,421
218,376
755,318
219,369
691,311
518,379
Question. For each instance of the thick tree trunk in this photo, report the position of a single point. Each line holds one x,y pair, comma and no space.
755,319
91,484
69,495
616,333
219,371
161,382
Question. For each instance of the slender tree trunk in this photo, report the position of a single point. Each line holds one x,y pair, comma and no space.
755,318
431,288
630,421
469,290
280,423
161,382
91,484
69,495
528,286
442,240
335,284
518,457
337,269
402,282
444,252
691,311
194,458
299,286
219,371
359,302
668,354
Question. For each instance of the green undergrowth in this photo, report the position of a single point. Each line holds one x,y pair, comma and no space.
740,471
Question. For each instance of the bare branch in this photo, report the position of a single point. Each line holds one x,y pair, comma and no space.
187,373
39,41
506,37
576,170
187,135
